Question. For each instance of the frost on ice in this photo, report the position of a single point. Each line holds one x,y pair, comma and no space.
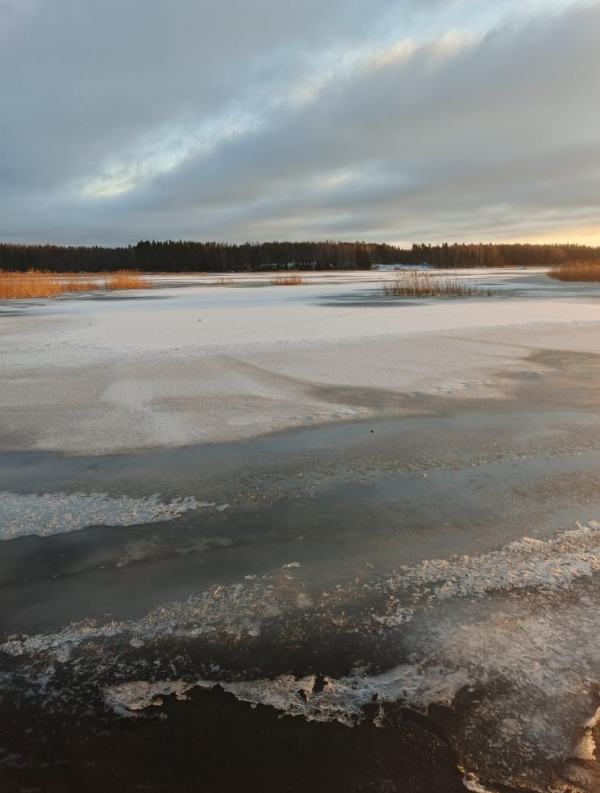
59,513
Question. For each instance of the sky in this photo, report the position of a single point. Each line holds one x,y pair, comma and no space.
249,120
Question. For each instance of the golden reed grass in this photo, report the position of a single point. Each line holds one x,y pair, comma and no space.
287,280
127,279
38,283
419,283
224,281
576,271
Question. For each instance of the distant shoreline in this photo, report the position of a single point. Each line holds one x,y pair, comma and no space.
221,257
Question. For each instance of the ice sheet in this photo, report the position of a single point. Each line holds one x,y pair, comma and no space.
189,362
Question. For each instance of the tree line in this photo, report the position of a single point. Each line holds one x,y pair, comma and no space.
218,257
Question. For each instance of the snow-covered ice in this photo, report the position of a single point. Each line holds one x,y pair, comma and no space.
189,362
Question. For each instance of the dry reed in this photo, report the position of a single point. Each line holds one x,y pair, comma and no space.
287,280
418,283
37,283
40,284
127,279
75,284
31,284
576,271
224,282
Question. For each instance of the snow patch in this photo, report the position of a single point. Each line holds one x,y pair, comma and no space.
539,564
340,700
586,748
236,610
471,783
140,694
60,513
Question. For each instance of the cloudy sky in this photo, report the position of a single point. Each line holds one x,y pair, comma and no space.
390,120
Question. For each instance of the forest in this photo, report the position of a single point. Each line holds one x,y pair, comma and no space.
217,257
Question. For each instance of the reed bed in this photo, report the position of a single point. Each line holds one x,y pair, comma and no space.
75,284
287,280
41,284
36,283
127,279
417,283
31,284
576,271
224,282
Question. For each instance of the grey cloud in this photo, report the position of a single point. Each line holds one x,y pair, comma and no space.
458,138
505,121
82,81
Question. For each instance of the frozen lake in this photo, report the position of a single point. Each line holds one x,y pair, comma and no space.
189,362
375,516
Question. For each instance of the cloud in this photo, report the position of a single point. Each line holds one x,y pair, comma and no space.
256,119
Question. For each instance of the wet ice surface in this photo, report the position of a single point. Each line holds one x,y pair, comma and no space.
523,649
506,637
514,630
